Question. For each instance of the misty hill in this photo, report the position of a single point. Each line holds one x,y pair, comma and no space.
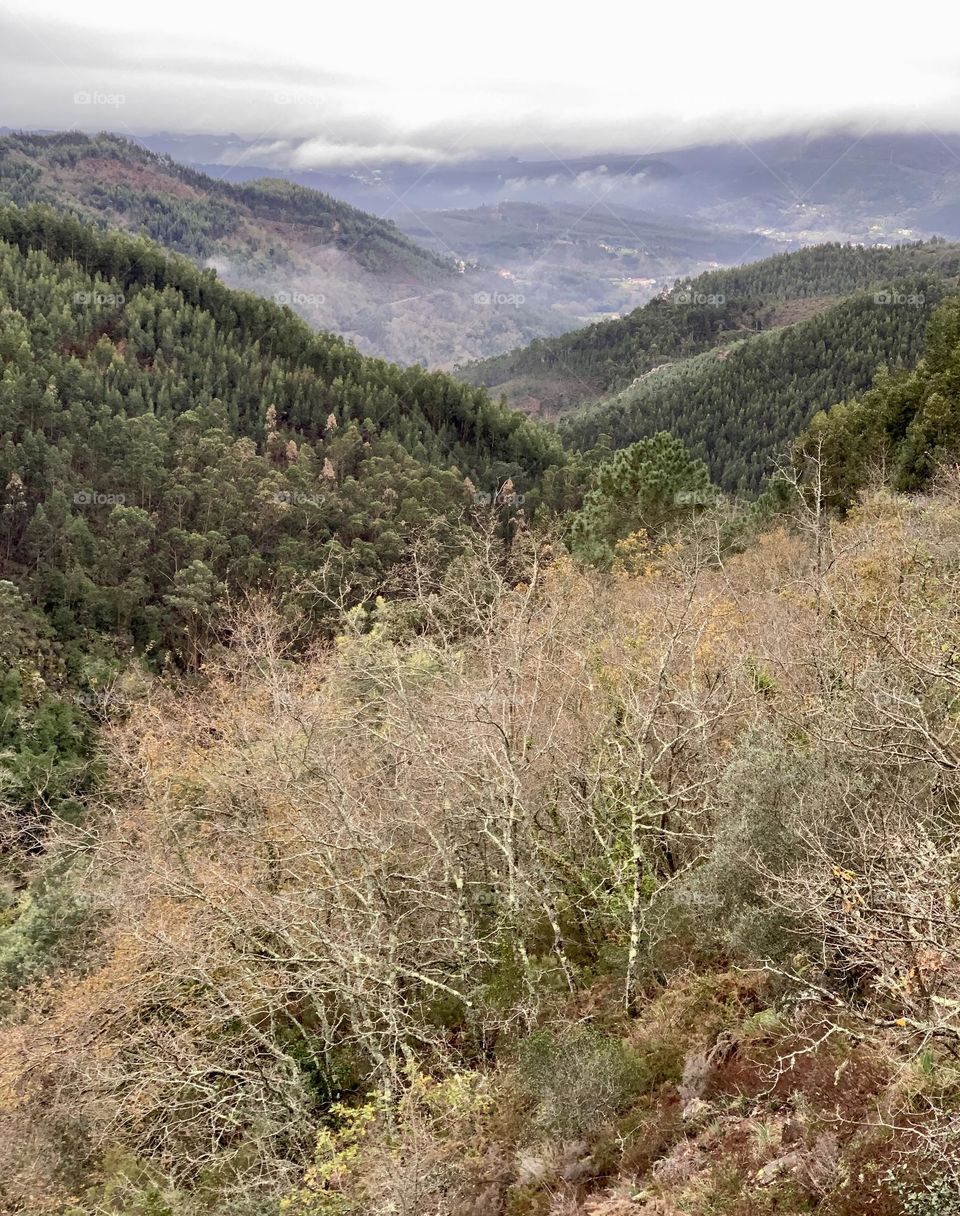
452,286
804,188
107,180
340,268
584,262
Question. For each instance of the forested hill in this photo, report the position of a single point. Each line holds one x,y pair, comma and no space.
110,181
739,407
163,437
714,310
905,429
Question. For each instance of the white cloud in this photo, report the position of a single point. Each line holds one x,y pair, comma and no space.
382,80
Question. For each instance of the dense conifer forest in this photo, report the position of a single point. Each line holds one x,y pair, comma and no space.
716,309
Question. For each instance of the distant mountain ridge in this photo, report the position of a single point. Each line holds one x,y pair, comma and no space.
113,180
803,186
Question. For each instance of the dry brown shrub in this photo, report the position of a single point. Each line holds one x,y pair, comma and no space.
326,861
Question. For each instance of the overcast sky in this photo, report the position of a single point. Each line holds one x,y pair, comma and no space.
326,83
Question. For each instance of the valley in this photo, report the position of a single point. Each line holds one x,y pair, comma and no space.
479,678
437,289
582,265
